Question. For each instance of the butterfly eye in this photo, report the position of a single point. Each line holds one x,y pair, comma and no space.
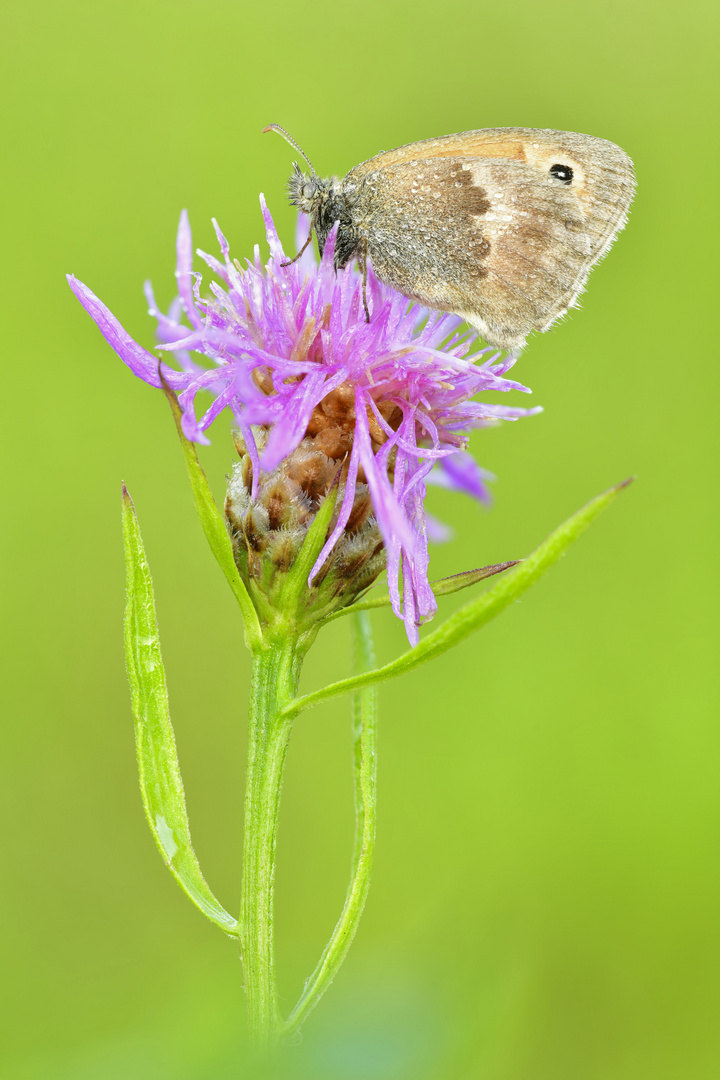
562,172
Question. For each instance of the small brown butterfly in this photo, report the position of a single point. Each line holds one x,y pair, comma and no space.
501,227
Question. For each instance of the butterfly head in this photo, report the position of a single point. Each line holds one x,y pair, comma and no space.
325,201
307,191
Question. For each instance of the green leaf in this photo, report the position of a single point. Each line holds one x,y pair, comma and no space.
441,587
160,780
446,585
478,612
213,525
364,717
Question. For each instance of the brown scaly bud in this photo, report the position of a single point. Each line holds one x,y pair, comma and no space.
268,531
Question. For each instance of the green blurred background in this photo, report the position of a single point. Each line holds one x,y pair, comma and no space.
545,901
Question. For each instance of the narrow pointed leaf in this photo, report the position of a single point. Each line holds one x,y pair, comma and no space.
364,715
472,616
160,780
446,585
213,525
441,587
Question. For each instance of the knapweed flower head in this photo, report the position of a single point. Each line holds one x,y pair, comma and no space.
287,349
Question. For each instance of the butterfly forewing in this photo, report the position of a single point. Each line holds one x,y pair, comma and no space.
501,226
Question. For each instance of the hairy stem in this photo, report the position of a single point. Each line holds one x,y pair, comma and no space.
275,673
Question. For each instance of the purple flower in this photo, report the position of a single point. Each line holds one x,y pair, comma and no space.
284,345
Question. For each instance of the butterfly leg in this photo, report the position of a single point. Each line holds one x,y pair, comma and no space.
289,262
362,259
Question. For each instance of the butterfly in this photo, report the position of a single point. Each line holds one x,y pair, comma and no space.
500,226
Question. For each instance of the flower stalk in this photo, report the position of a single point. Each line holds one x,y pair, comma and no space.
273,684
274,679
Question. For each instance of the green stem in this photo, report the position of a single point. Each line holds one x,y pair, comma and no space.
364,717
274,679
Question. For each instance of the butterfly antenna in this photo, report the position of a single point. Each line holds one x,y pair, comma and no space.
289,138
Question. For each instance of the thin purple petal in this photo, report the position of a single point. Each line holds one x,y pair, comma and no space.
183,273
462,473
139,360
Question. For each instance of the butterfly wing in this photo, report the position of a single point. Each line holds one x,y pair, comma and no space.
500,226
